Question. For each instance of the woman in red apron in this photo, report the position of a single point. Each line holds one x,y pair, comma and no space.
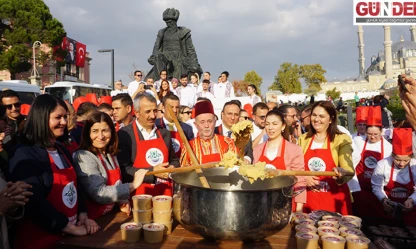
364,200
277,152
394,181
98,170
327,149
56,206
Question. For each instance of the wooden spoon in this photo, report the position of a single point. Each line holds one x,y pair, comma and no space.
278,172
183,169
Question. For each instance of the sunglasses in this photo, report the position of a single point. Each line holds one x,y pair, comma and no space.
189,112
245,118
16,105
261,117
139,75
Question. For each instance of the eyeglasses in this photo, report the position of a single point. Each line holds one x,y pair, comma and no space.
139,75
16,105
373,135
189,112
261,117
245,117
301,119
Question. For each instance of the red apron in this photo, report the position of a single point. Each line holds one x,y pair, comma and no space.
176,140
95,209
364,200
332,197
63,197
278,162
150,153
398,192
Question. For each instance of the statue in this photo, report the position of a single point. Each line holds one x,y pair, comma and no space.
173,50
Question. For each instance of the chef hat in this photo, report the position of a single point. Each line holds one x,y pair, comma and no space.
402,141
361,114
203,107
374,116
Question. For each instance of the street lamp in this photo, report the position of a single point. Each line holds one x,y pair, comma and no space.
35,74
112,63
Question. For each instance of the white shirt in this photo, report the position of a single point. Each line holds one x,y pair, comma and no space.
56,158
207,95
187,96
363,136
220,90
388,148
381,176
256,132
133,87
254,100
146,135
115,92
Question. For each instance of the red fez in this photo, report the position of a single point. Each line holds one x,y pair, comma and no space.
203,107
374,116
402,141
361,114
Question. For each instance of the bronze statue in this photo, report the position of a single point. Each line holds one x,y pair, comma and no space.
173,50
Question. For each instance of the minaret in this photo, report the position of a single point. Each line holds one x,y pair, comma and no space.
361,58
388,66
413,33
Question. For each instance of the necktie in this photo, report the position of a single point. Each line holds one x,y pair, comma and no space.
170,127
229,134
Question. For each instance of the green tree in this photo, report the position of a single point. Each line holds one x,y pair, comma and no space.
287,79
313,74
253,78
23,22
311,91
333,93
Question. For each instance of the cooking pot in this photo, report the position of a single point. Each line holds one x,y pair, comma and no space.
233,208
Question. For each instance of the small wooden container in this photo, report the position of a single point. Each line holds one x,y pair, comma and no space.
130,232
153,232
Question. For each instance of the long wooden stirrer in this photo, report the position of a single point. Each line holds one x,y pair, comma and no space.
277,172
188,148
183,169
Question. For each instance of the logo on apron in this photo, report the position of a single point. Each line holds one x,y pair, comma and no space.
399,193
368,174
154,156
175,144
269,166
69,195
370,162
316,164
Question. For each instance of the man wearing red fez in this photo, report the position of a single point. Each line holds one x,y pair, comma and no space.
373,149
361,122
393,180
207,146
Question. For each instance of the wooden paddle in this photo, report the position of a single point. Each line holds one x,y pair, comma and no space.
188,148
183,169
278,172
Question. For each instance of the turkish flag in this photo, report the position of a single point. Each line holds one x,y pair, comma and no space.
64,46
80,55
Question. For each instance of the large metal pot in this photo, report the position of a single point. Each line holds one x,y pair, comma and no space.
232,208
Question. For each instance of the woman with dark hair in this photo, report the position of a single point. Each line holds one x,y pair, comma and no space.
325,148
44,163
164,89
67,139
252,93
277,152
98,170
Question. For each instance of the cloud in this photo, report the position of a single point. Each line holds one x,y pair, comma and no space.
233,35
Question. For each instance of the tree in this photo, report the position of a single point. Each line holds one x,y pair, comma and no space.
253,78
22,22
313,74
311,91
333,93
240,87
287,79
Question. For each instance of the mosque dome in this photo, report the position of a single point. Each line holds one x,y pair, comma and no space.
388,84
397,46
360,78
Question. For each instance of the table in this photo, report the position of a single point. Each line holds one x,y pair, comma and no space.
110,237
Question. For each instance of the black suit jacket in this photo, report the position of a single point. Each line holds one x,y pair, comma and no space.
248,150
31,164
187,129
127,152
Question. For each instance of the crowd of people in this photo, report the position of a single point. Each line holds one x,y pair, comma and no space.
62,168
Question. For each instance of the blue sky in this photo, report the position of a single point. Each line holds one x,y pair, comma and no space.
233,35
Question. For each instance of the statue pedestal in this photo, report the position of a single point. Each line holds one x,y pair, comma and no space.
35,80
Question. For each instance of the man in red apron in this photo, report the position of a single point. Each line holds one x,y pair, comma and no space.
361,114
122,110
207,146
364,200
143,145
230,116
394,181
167,123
